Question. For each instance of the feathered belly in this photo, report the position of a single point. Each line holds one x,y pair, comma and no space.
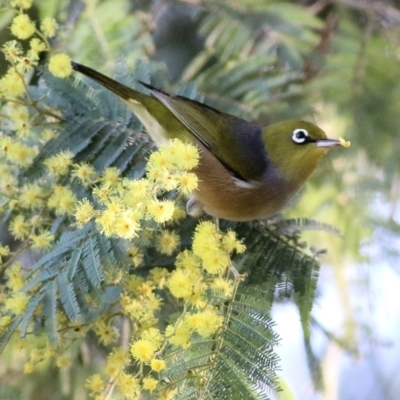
224,196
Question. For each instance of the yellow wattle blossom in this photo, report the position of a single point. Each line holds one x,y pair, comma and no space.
103,194
161,210
149,384
115,206
19,228
64,361
179,335
60,163
31,196
134,192
37,46
148,320
63,200
29,367
214,262
145,289
8,183
179,214
133,308
136,255
43,240
116,361
185,155
344,143
22,27
13,205
166,180
27,63
187,182
230,243
95,383
85,173
208,246
180,284
159,276
208,229
168,394
133,283
15,278
37,221
17,303
112,370
5,144
153,302
36,354
127,224
84,212
167,242
106,222
19,113
4,251
23,128
5,321
220,284
12,50
188,261
157,365
175,155
154,336
60,65
49,26
106,333
20,154
204,323
128,385
118,357
143,350
137,311
158,161
110,176
11,84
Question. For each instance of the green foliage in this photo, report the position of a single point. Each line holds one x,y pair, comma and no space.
277,263
97,128
238,363
241,61
70,278
107,30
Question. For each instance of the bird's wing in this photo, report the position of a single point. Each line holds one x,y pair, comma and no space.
236,142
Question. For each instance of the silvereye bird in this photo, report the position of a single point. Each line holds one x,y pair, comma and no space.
245,172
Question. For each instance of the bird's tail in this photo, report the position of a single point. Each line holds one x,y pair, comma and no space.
121,90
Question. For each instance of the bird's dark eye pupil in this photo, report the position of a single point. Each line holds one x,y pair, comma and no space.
300,135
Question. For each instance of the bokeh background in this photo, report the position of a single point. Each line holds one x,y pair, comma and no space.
336,63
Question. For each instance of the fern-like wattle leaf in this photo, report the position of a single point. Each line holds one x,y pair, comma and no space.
239,362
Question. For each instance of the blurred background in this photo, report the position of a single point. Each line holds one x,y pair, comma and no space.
336,63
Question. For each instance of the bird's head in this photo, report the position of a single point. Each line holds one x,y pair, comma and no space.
296,147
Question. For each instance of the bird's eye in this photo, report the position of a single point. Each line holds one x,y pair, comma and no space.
300,136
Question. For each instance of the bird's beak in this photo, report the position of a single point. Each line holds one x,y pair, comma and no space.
332,143
327,142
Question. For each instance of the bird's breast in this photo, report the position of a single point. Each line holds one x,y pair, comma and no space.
224,196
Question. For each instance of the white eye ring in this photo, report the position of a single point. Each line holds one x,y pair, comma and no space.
300,135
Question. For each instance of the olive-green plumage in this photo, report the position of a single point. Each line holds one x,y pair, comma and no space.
245,172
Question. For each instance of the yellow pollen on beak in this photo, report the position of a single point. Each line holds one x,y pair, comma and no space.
344,143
